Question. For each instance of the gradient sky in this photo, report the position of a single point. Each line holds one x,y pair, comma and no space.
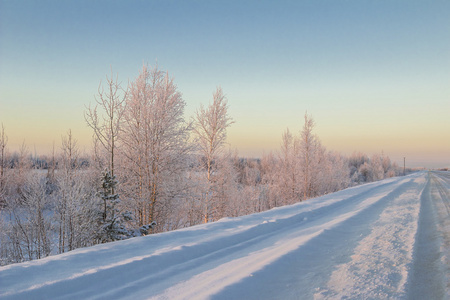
375,75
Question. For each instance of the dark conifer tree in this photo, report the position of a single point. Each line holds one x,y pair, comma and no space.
112,221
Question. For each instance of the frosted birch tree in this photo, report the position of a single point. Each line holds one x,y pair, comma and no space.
3,165
155,140
105,118
307,156
270,180
76,211
33,220
26,229
288,169
210,128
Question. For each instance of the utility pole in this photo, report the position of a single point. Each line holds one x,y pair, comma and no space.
404,166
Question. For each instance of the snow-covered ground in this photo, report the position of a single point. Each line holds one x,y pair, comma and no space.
388,239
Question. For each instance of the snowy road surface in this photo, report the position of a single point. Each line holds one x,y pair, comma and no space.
388,239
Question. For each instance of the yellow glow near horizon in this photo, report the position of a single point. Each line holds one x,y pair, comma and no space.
421,133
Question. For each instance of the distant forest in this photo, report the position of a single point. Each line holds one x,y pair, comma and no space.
152,170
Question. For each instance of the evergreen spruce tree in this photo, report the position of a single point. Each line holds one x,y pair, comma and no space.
112,226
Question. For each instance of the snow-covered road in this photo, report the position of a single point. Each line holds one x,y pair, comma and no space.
388,239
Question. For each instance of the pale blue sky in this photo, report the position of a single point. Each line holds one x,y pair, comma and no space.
375,75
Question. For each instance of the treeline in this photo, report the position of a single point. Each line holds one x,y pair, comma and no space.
151,170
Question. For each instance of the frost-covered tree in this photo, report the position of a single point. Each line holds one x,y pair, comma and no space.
308,157
16,241
364,169
3,164
270,180
335,173
36,223
301,162
155,145
302,169
21,165
225,189
210,129
288,169
75,211
26,228
105,119
389,169
377,170
356,161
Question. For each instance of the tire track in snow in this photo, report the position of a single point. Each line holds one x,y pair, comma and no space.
442,190
426,280
431,270
379,265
